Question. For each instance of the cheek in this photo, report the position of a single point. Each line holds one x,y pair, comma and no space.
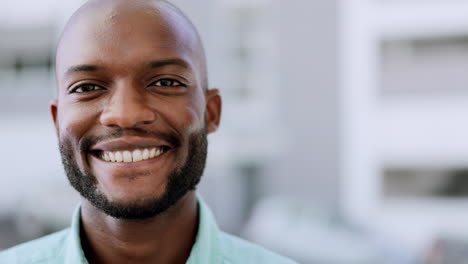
186,114
74,121
195,113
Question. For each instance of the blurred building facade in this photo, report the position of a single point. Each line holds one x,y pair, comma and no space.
403,104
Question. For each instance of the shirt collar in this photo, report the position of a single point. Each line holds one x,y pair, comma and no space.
73,251
207,247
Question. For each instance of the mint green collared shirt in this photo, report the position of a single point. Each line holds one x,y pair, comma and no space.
212,246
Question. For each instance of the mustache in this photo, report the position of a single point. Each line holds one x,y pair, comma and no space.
87,142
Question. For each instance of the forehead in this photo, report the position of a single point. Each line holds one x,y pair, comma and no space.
126,36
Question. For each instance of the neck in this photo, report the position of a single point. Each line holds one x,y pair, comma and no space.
165,238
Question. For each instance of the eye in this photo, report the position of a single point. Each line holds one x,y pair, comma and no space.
168,83
84,88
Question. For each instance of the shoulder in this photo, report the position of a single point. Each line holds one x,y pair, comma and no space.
42,250
237,250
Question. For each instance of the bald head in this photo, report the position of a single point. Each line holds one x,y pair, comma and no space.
132,77
119,26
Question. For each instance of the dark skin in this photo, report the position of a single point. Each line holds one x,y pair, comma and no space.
133,65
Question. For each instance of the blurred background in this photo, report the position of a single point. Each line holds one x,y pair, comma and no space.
344,133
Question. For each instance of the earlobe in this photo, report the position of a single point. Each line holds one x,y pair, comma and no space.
53,112
213,110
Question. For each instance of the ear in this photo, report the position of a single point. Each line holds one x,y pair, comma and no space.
53,112
213,110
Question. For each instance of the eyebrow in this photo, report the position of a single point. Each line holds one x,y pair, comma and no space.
152,64
83,68
167,62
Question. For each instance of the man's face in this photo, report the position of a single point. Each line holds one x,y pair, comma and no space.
132,114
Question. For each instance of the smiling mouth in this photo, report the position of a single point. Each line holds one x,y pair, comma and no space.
128,156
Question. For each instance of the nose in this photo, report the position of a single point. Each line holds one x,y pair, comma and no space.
127,108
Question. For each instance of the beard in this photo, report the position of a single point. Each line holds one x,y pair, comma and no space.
180,181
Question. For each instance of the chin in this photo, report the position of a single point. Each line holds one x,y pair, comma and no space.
131,195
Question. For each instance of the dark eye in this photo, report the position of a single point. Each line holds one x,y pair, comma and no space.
168,83
86,88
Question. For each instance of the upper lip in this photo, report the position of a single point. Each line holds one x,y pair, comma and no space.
129,143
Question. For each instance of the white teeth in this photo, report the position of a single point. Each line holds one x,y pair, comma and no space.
136,155
131,156
145,154
118,157
127,156
152,153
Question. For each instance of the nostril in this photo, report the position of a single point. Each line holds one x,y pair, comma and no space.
148,122
128,117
